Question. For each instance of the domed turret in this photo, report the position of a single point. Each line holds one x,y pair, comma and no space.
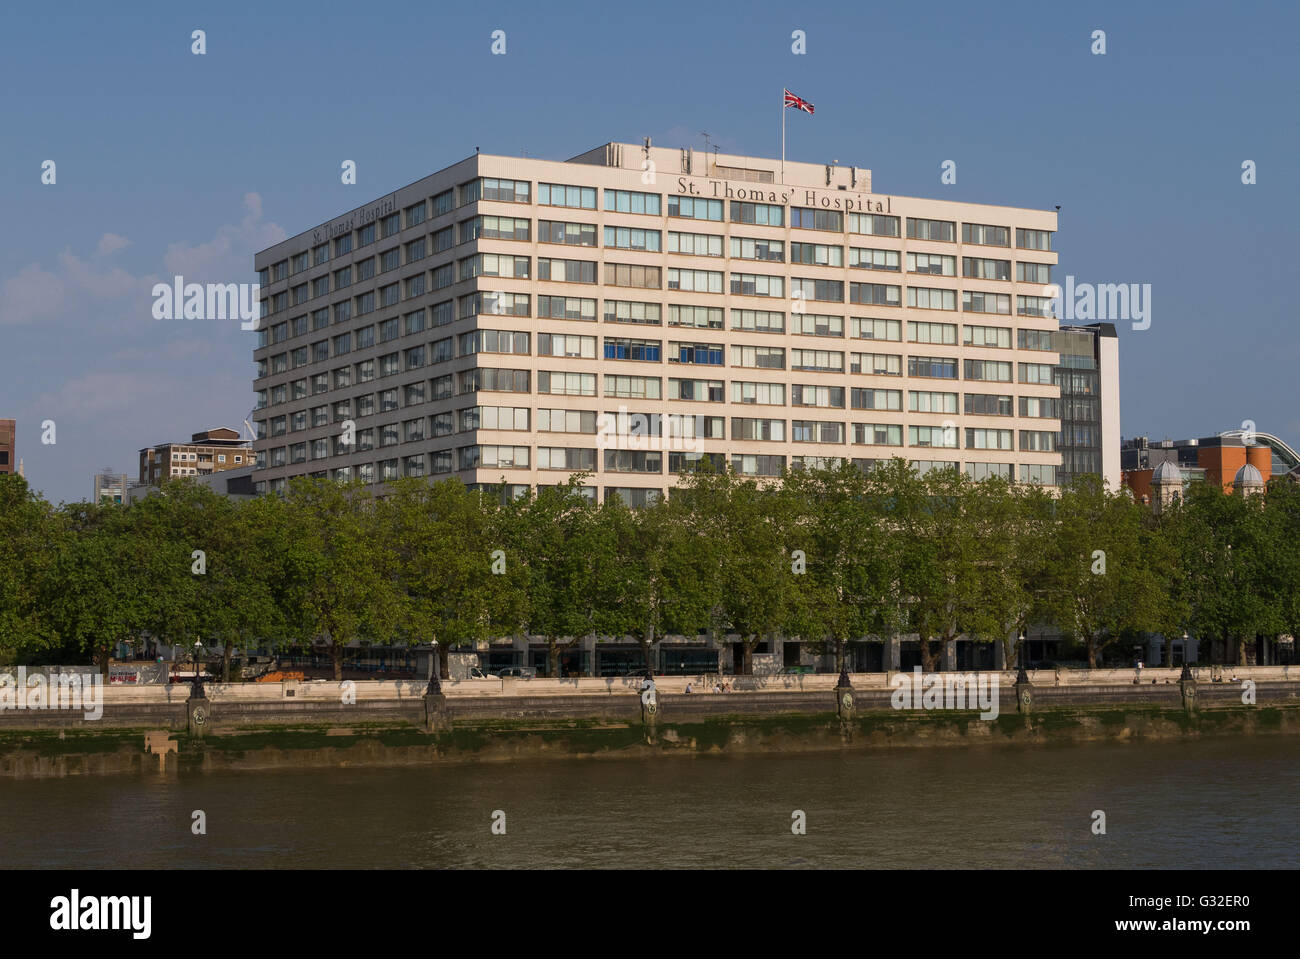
1166,485
1248,480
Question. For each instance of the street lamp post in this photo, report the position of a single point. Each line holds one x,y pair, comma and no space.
196,689
1021,675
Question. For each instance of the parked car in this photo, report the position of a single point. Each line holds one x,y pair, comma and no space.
798,670
517,672
476,672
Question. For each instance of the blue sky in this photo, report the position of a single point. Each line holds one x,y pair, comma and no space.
173,163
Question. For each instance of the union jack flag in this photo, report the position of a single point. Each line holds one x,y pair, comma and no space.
799,103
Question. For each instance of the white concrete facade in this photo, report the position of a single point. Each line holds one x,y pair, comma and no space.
859,344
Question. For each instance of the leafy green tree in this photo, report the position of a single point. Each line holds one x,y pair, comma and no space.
1102,585
342,576
31,537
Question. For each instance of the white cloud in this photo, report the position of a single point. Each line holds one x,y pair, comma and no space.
110,243
228,256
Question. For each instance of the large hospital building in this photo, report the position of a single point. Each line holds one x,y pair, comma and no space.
635,308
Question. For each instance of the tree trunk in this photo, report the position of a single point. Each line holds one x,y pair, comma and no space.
927,655
336,653
1167,654
839,655
747,648
225,662
1241,650
552,658
444,661
1092,652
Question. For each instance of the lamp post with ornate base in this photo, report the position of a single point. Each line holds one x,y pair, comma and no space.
198,709
436,715
1024,688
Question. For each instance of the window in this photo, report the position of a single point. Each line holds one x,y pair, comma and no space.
826,291
807,218
700,317
703,354
750,428
566,308
627,201
815,254
758,394
569,234
506,228
983,471
365,304
753,321
818,361
494,380
937,436
469,229
415,214
752,284
366,235
864,258
697,281
1038,473
862,328
390,259
877,434
985,235
441,387
876,364
390,364
937,367
989,404
873,224
760,357
557,194
505,191
944,231
922,401
1033,272
623,348
973,301
628,311
1037,441
563,458
442,313
1034,240
1036,373
566,344
503,418
996,371
633,387
343,245
623,274
874,294
825,396
996,337
1034,306
704,391
695,208
925,298
870,399
634,461
816,431
1034,339
320,286
747,464
632,238
444,202
759,214
342,344
942,333
413,394
493,341
700,244
1040,407
566,384
444,239
414,322
745,248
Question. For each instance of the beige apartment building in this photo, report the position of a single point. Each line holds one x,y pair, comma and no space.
633,309
210,451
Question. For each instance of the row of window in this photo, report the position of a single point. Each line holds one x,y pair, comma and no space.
628,201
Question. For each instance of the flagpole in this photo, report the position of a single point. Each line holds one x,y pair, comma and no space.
782,134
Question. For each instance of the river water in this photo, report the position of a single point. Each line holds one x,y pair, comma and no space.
1224,803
